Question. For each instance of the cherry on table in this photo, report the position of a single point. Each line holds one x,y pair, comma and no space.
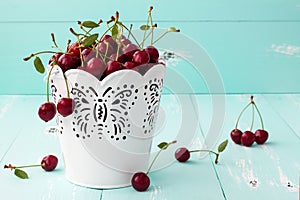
140,181
236,135
247,138
49,162
47,111
182,154
261,136
65,106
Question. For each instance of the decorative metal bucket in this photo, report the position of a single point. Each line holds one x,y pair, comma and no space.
109,135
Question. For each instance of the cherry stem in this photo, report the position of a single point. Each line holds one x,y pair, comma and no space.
48,80
54,42
67,86
145,31
241,113
252,123
24,166
130,33
156,156
35,54
162,35
209,151
260,117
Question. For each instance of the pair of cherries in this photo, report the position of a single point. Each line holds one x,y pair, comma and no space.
247,138
140,181
65,107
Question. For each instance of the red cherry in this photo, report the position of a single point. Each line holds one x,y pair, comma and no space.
54,57
141,57
105,48
113,66
261,136
49,162
140,181
65,106
236,135
125,41
129,65
110,40
68,61
129,50
47,111
153,53
96,67
88,54
122,58
73,49
247,138
182,154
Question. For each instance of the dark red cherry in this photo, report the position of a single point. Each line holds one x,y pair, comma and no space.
140,181
261,136
182,154
247,138
65,106
49,162
88,54
47,111
153,53
110,40
113,66
236,135
122,58
129,65
129,50
105,48
54,57
68,61
74,49
141,57
96,67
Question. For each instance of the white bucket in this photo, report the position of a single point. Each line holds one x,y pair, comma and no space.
108,137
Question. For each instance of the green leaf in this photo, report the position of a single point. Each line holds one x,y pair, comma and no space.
222,146
163,145
39,65
90,24
145,27
172,29
21,174
114,32
88,41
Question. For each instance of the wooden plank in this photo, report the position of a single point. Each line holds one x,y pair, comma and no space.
240,51
29,147
269,171
137,10
189,180
287,107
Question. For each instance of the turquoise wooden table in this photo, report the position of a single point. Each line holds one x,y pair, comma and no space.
269,171
255,47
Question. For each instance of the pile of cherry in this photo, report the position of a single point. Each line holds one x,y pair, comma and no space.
247,138
106,57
